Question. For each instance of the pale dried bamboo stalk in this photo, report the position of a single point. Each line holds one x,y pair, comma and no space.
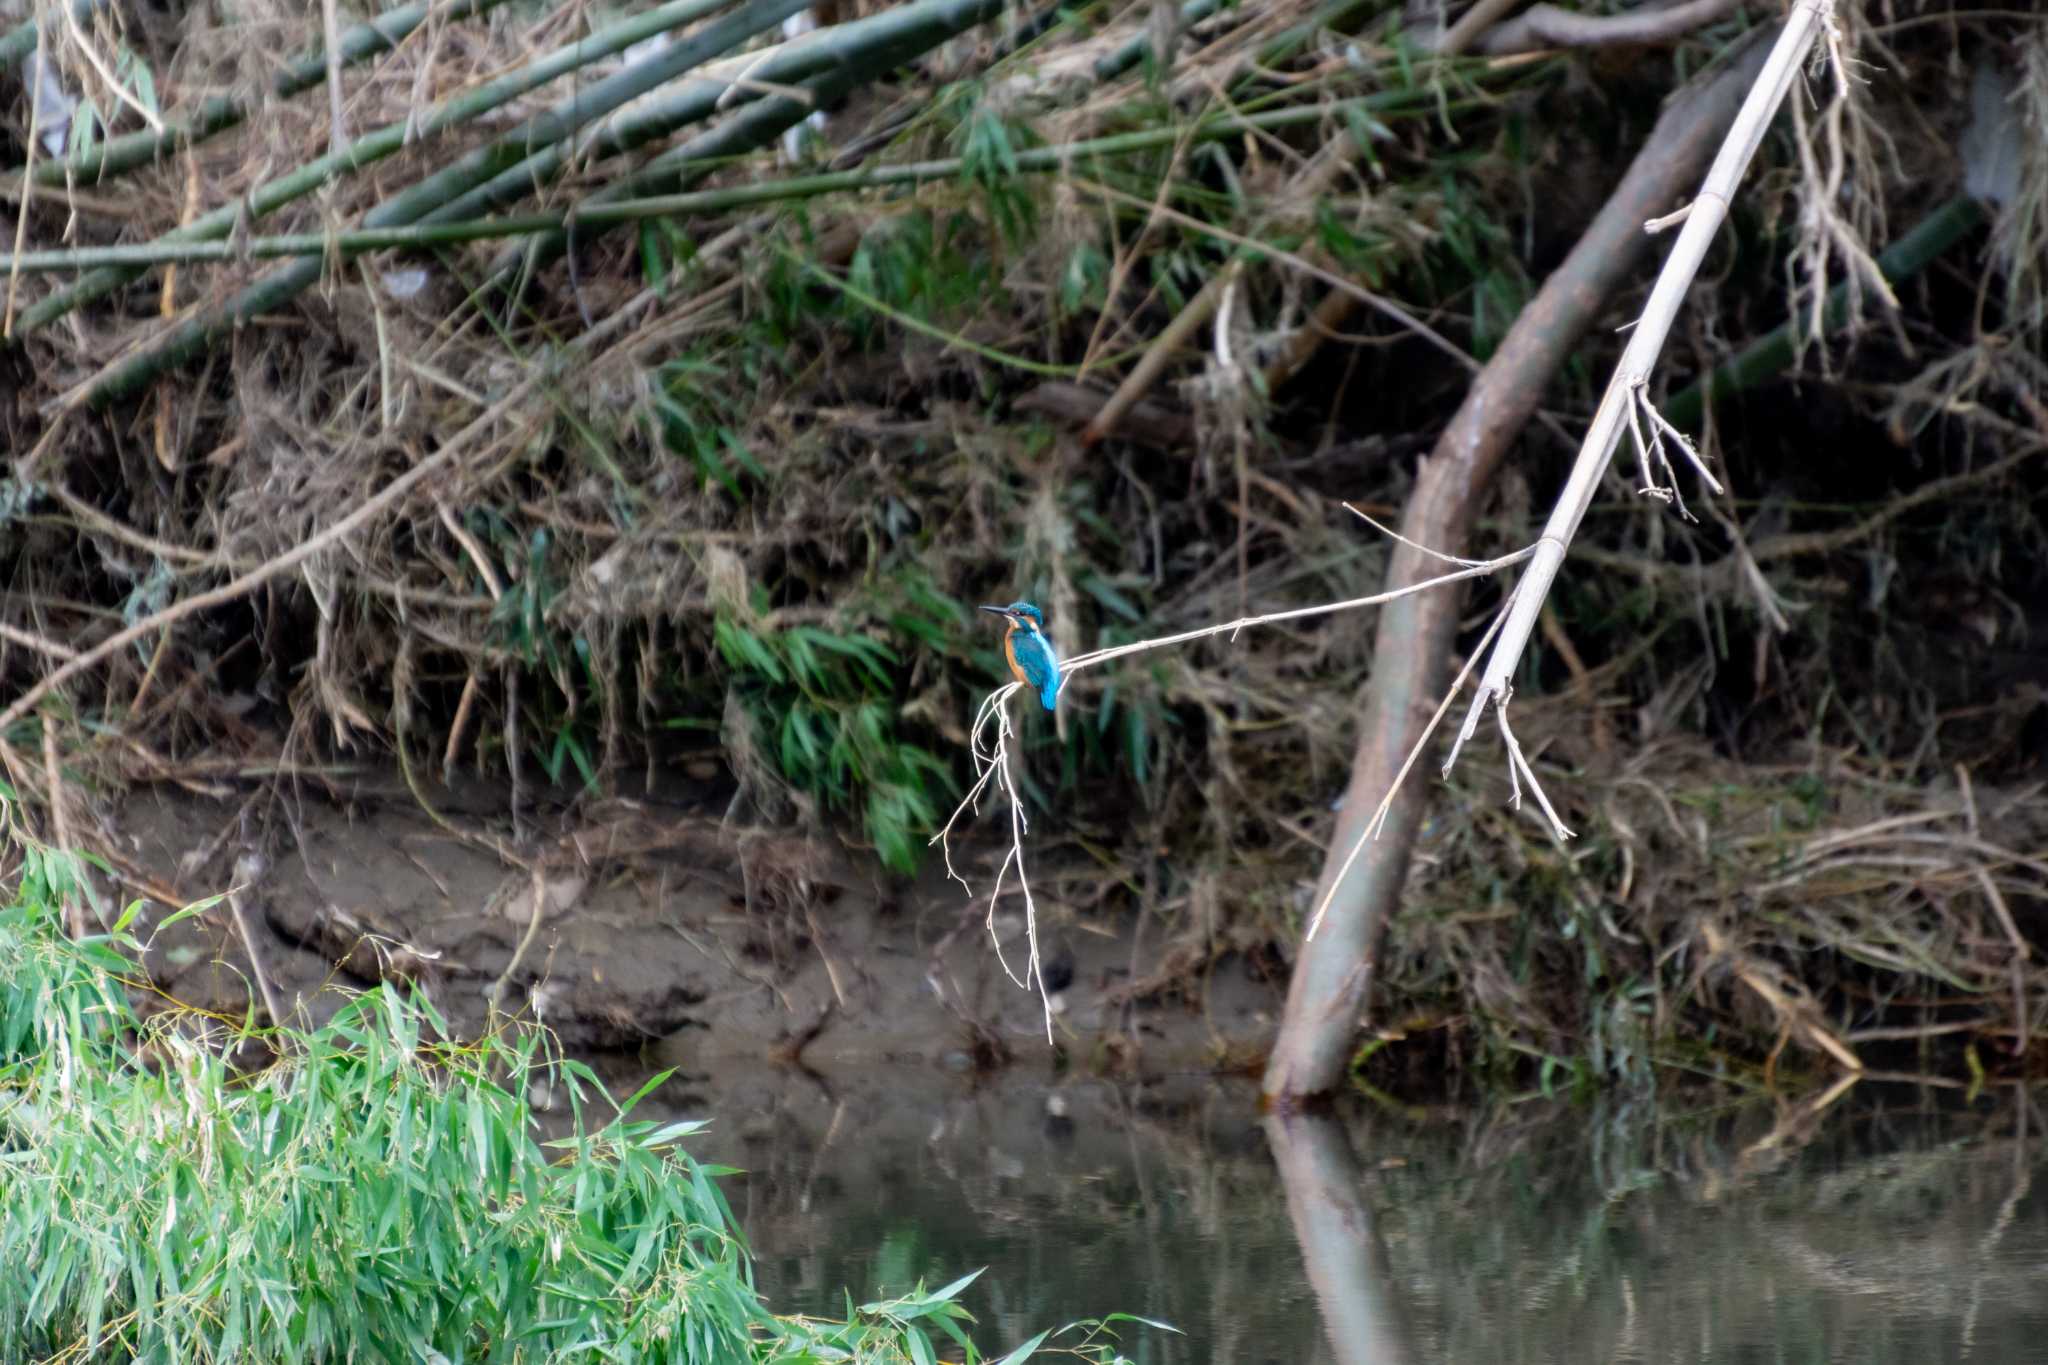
1702,219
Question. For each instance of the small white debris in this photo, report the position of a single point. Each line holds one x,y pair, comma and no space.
404,282
54,107
796,135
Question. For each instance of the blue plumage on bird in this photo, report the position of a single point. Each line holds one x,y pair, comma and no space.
1032,659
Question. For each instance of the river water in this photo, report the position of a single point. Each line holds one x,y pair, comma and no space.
1885,1223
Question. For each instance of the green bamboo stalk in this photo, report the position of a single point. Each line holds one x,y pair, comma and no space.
874,45
382,142
693,102
124,153
1139,47
912,29
758,125
1283,45
1050,16
1772,353
674,168
20,40
563,123
642,195
1029,31
1278,50
863,50
591,213
591,102
661,179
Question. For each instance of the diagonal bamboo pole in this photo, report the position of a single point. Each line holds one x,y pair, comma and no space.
1769,355
593,102
592,212
856,53
913,28
383,33
188,338
1335,970
1703,218
835,61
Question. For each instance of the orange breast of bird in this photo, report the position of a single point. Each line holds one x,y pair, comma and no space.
1010,653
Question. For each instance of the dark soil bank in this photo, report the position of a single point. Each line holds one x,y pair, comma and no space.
657,922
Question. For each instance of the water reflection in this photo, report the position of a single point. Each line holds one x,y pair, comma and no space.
1885,1225
1364,1317
1081,1199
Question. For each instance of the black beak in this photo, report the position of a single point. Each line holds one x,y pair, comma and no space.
999,611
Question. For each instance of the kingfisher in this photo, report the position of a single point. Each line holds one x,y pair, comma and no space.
1031,656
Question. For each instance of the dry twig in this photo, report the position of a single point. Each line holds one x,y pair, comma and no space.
992,756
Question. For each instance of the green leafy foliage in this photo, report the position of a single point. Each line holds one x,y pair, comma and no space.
1084,283
988,140
701,412
1366,254
379,1193
926,266
519,623
825,707
133,87
1473,253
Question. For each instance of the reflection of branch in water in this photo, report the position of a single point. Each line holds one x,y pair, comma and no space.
1583,1232
1940,1194
1347,1266
2022,1186
803,1198
1795,1127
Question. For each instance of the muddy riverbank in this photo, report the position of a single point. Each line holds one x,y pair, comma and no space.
659,921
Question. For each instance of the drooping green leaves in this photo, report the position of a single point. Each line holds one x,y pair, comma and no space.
378,1194
824,705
